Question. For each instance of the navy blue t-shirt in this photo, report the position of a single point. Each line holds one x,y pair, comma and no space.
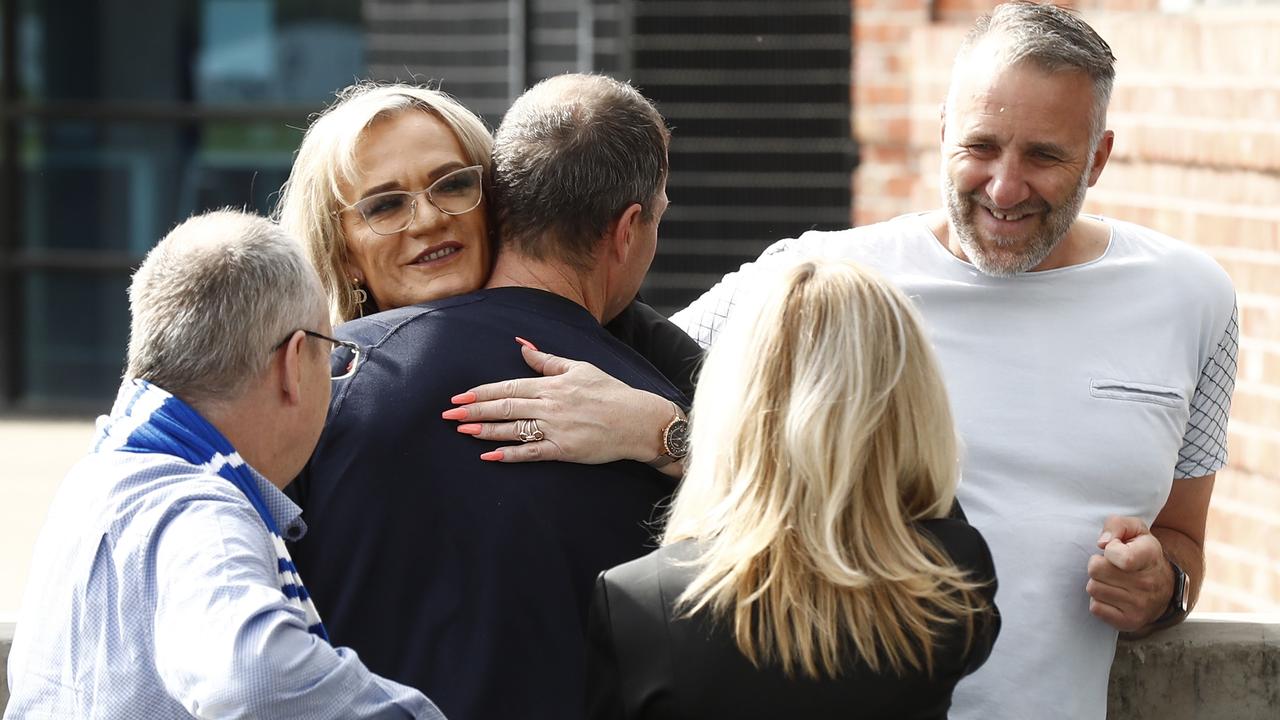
467,579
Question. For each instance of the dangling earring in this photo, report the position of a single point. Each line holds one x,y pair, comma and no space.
358,296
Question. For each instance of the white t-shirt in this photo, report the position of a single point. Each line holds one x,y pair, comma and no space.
1079,392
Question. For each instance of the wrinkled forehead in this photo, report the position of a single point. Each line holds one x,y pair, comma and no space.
987,90
347,171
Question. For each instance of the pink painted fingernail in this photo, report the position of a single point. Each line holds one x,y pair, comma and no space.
492,456
455,414
526,343
465,398
469,428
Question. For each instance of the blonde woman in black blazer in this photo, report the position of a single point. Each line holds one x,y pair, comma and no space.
809,567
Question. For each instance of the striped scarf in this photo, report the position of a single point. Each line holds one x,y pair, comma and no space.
147,419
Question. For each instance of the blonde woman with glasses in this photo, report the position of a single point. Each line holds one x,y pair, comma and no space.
390,194
809,567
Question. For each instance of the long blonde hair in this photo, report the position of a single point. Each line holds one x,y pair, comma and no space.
821,432
326,160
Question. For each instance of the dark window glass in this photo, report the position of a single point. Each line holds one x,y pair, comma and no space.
76,328
136,114
215,52
118,187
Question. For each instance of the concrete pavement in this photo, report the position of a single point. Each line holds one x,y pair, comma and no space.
34,456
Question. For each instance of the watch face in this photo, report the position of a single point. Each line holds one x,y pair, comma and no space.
677,438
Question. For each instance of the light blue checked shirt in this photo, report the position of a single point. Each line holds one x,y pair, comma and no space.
154,594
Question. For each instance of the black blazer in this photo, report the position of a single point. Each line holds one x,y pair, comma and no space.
676,355
643,664
469,580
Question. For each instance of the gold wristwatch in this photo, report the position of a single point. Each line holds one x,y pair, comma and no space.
675,440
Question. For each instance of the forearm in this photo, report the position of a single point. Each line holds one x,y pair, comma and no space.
1189,555
1180,529
228,643
652,415
271,666
1183,550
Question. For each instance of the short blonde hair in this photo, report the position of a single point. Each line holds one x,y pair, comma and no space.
326,160
821,433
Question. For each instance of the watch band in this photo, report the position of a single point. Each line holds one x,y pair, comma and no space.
1177,608
674,439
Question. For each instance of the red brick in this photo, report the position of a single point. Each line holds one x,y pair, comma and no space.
1270,374
1197,117
883,32
1252,404
1253,277
870,8
882,94
1239,232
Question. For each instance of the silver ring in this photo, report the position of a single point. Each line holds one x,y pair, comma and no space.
527,431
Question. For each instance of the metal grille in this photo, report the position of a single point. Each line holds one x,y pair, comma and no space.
757,94
471,48
486,52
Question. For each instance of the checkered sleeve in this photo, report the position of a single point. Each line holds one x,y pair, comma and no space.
1204,446
705,317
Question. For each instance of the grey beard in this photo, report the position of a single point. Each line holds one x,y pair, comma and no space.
1057,222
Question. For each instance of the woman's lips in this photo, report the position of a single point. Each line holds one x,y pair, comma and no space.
437,254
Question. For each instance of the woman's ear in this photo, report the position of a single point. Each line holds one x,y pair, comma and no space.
352,272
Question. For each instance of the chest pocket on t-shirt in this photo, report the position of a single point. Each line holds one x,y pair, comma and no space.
1137,392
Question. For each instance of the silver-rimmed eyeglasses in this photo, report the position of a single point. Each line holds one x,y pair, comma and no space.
344,355
456,193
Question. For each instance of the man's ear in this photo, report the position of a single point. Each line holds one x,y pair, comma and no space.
1101,155
623,230
288,366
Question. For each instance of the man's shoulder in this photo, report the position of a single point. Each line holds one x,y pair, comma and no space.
373,330
1164,249
123,485
670,567
1176,261
855,242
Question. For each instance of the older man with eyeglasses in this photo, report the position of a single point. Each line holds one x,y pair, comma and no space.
161,584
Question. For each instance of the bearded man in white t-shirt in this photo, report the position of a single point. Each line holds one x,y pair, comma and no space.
1090,363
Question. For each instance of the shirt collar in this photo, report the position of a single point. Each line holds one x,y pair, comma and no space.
286,513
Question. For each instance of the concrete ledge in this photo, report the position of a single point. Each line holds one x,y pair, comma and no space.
1214,667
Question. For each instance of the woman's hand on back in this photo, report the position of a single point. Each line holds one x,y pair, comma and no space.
584,415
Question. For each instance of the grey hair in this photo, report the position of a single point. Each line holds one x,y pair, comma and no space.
212,299
1053,39
571,154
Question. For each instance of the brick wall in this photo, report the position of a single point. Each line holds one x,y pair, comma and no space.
1196,111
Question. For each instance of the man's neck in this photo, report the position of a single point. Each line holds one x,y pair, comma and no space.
1086,241
586,288
254,436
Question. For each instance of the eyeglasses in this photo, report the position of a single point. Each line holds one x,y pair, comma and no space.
391,212
344,355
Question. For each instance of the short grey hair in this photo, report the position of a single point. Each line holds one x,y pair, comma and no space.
1053,39
571,154
212,300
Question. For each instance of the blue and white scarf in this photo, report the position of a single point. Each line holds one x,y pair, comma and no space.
148,419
